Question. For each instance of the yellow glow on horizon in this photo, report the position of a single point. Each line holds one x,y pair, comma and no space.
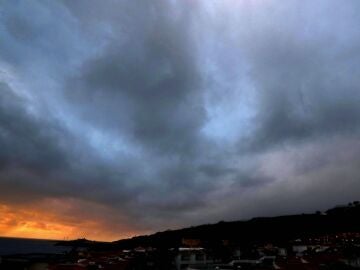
31,229
38,224
27,224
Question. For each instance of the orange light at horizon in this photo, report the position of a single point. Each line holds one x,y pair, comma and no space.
36,223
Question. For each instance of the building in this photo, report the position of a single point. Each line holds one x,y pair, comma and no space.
191,257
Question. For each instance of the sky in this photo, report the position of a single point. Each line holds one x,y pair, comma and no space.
122,118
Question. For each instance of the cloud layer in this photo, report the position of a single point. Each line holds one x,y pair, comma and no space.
146,115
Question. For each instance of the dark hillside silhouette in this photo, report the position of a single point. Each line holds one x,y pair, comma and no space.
273,229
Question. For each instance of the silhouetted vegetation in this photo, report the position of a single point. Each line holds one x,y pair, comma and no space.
273,229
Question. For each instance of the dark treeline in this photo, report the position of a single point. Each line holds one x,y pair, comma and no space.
273,229
277,230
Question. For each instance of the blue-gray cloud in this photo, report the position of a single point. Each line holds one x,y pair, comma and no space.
180,112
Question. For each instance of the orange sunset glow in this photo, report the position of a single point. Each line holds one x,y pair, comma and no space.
29,222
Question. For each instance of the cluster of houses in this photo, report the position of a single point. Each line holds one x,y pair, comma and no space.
337,251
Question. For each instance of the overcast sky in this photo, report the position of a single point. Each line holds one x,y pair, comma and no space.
120,118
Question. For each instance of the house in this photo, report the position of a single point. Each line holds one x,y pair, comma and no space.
191,257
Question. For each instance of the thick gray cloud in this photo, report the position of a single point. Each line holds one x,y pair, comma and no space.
175,113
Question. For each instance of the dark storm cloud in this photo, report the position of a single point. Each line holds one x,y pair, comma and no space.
28,146
145,83
179,112
147,89
26,141
37,158
306,90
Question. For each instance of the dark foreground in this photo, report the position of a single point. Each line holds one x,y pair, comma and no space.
329,240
